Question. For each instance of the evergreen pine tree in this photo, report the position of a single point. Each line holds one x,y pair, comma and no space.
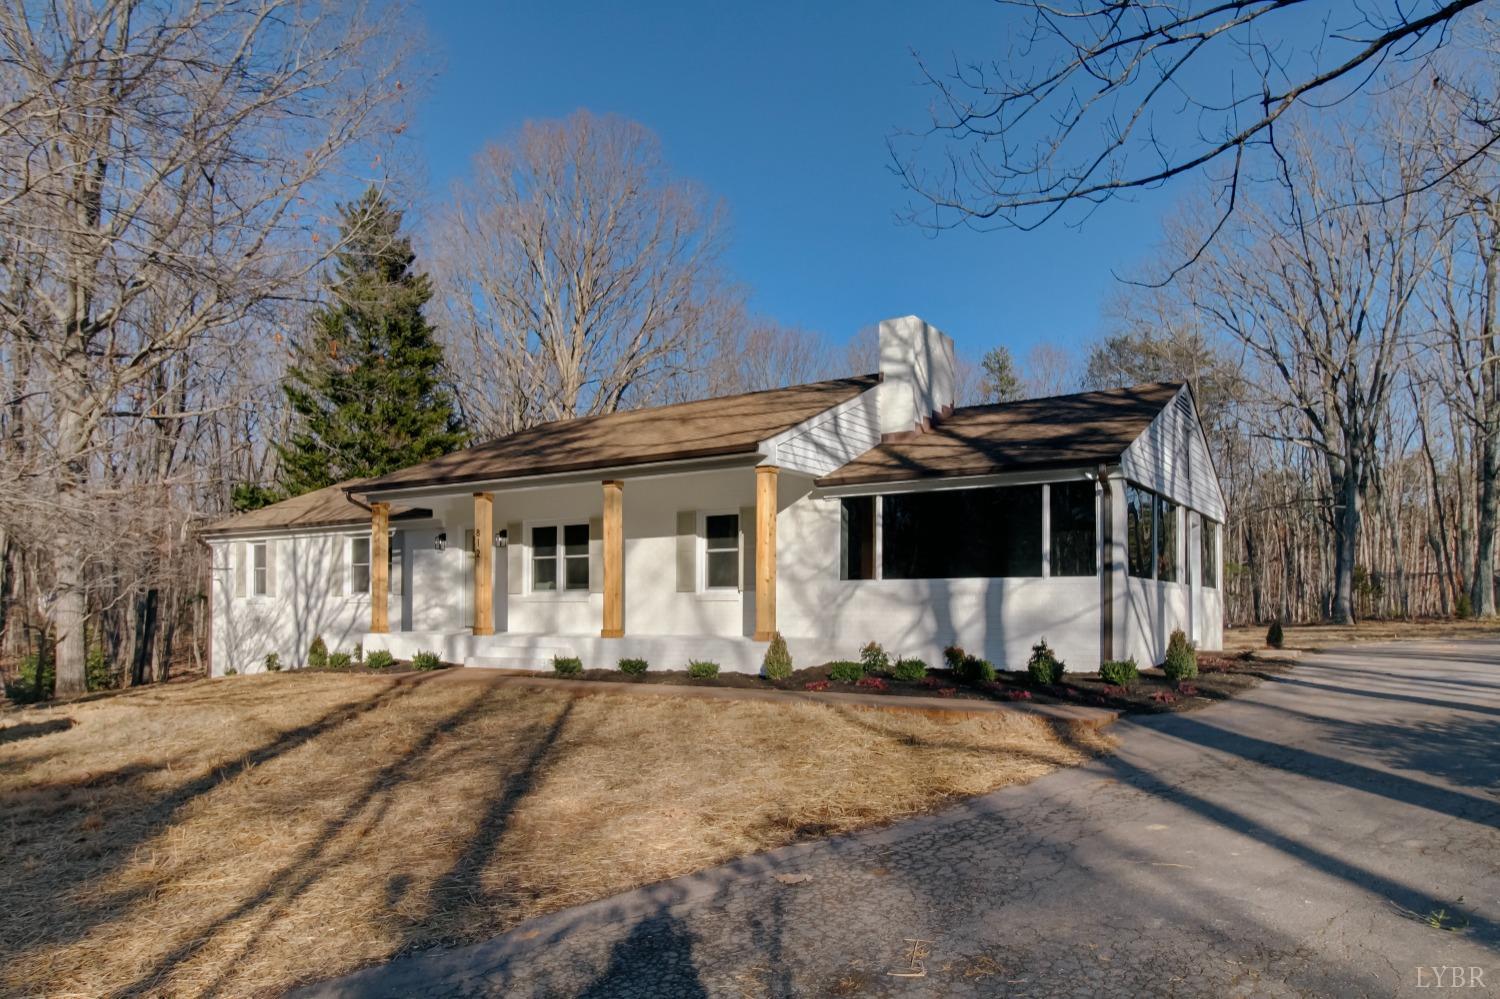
364,385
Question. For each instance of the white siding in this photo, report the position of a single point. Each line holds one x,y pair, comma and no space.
1172,458
831,439
308,600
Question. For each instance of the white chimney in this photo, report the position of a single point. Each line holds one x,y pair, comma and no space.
917,375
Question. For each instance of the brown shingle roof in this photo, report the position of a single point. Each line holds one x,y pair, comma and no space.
707,428
1083,429
326,507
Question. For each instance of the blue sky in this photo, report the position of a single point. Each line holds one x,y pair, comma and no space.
782,110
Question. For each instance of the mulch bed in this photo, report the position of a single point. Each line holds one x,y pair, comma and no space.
1219,678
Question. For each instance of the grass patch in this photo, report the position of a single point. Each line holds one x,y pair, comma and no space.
277,829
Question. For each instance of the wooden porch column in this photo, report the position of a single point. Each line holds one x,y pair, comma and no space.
765,552
614,560
380,567
484,563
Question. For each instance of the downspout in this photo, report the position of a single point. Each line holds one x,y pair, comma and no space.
1106,568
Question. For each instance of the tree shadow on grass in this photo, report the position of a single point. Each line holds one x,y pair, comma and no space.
462,885
32,730
135,816
314,860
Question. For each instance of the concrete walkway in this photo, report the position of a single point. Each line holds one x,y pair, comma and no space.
1334,832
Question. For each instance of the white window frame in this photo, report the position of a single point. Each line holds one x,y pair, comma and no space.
259,569
739,554
350,563
562,592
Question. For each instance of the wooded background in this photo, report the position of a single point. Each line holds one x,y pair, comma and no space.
175,183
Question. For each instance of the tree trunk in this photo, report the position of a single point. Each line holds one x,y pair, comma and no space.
1345,550
1483,594
145,637
68,616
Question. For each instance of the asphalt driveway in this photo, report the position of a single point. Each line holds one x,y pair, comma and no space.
1334,832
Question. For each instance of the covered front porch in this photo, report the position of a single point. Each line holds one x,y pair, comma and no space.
665,564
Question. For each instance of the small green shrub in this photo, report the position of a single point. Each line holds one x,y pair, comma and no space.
976,670
425,661
1275,638
778,662
273,663
567,665
634,667
340,660
97,674
380,659
231,671
874,659
317,653
702,669
1463,610
1044,666
954,657
1182,660
1120,672
359,652
910,670
35,679
845,671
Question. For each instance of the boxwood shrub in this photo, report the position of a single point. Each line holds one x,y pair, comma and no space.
976,670
1044,666
317,653
339,660
845,671
1276,638
1182,660
380,659
702,669
909,670
1120,672
567,665
778,662
634,667
426,661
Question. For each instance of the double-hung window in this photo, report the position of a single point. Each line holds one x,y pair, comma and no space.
359,566
1210,558
1139,530
1166,540
260,582
559,558
721,551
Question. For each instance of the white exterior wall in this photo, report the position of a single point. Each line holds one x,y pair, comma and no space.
997,619
1172,458
307,600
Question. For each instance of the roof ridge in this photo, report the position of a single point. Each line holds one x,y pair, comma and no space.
1117,389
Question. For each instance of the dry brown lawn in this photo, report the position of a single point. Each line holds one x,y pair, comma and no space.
1319,636
237,836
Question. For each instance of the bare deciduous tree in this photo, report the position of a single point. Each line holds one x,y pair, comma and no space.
157,167
1319,284
580,277
1097,99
